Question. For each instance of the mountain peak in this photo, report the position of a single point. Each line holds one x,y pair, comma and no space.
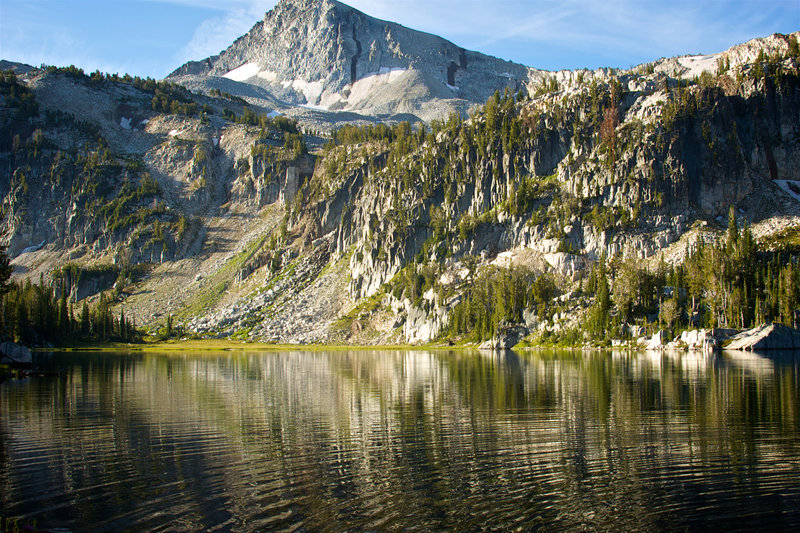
295,8
283,5
328,55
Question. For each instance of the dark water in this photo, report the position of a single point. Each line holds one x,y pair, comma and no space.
403,440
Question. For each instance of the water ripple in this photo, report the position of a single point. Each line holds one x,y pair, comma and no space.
400,440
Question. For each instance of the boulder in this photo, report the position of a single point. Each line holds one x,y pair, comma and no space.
766,337
14,354
530,318
487,345
505,338
704,339
635,330
657,341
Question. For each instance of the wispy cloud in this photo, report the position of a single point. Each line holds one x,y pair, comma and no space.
216,5
592,33
27,37
152,37
217,33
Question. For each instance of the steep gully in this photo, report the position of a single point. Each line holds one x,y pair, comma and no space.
356,57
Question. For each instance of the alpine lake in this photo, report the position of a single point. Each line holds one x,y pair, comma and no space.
402,440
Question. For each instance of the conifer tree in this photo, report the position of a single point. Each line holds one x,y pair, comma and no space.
5,271
733,231
84,319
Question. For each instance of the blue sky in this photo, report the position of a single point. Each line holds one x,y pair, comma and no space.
152,37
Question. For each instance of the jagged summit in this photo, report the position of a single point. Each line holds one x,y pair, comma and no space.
326,55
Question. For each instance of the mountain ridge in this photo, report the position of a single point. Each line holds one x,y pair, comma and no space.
239,222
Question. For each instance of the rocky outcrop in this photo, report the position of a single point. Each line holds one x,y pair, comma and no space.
766,337
14,354
657,341
263,181
421,326
505,338
703,339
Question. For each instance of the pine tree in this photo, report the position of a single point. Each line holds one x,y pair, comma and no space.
83,320
63,316
733,231
5,271
122,326
599,314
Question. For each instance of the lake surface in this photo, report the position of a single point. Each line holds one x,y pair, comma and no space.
385,440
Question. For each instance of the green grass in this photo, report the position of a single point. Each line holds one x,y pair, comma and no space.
219,282
343,262
242,335
366,305
216,345
786,240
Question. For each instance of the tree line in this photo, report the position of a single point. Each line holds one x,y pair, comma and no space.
728,282
497,296
37,314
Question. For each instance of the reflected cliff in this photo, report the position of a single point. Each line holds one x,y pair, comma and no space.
397,439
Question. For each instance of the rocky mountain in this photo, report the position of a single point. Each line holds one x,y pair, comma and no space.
233,221
326,56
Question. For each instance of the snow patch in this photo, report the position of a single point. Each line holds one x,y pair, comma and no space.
314,107
790,187
145,121
34,248
245,72
363,87
268,75
311,90
125,123
453,87
173,133
273,114
696,65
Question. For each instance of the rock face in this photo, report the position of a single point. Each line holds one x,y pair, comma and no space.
421,326
505,338
142,185
671,173
330,56
766,337
657,341
703,339
14,354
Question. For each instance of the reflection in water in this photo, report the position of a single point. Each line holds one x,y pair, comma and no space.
375,440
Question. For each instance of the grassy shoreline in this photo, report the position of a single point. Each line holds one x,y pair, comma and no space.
152,344
218,345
